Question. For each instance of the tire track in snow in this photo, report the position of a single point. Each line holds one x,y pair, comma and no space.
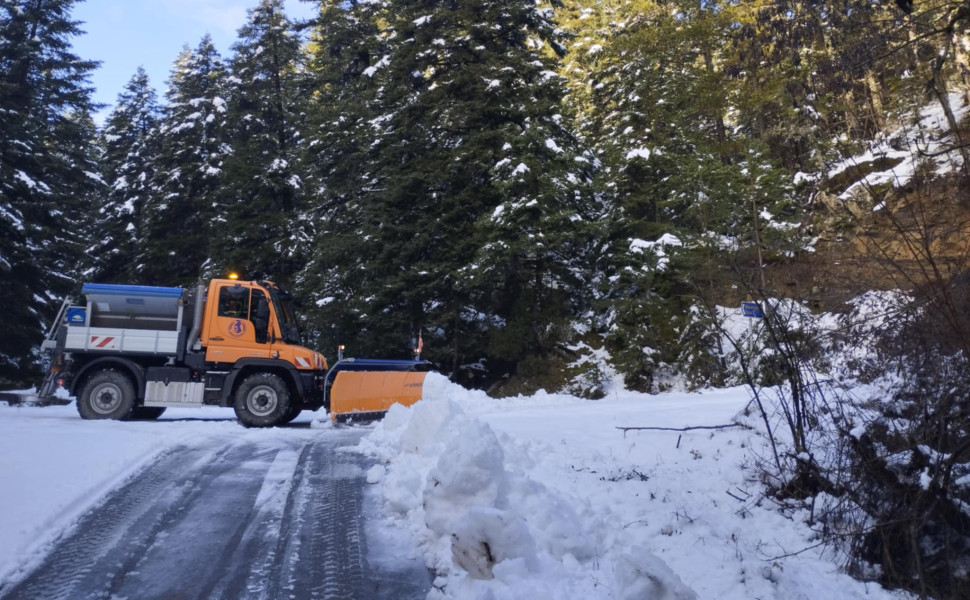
334,546
97,548
278,519
255,546
328,559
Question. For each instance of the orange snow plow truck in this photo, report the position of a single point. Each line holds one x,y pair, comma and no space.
132,351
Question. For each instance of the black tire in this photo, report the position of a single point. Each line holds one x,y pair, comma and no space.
147,413
295,410
107,394
262,400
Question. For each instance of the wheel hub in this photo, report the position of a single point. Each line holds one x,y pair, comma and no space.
106,398
262,400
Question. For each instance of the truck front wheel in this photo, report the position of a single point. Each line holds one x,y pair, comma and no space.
262,400
293,413
107,394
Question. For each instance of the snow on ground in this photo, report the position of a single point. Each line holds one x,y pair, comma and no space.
922,141
543,497
54,466
531,497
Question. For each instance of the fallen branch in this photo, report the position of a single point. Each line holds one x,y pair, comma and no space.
625,429
795,553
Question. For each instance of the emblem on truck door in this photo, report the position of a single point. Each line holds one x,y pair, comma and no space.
237,328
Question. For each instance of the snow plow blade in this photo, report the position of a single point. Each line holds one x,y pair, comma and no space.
31,399
371,387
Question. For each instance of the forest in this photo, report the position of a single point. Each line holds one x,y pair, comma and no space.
511,181
521,185
553,196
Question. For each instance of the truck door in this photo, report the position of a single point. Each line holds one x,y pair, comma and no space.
239,328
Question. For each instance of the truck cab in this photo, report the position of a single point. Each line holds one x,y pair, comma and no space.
253,320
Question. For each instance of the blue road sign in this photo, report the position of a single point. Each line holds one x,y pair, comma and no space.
752,309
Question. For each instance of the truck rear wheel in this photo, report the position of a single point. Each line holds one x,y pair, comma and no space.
107,394
262,400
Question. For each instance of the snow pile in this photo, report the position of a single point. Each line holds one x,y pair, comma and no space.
491,530
542,497
849,339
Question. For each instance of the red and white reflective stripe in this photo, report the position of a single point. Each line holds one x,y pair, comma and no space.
102,341
302,362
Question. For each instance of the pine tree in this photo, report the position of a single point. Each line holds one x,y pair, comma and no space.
347,49
130,142
676,179
467,227
178,223
46,171
259,232
807,74
589,26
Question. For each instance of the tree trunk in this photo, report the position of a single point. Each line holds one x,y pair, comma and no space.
938,86
875,100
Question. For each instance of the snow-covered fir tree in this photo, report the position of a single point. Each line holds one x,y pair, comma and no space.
474,185
257,231
47,171
678,182
130,142
177,223
346,43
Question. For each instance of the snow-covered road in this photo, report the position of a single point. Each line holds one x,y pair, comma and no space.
234,514
513,499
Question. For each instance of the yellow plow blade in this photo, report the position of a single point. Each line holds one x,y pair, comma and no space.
374,391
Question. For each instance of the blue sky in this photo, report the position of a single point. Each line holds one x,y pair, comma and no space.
124,34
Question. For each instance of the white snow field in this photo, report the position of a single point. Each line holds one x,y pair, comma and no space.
538,497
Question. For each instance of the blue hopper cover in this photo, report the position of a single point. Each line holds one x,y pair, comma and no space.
109,289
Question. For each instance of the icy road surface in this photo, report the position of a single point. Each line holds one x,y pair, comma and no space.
276,514
543,493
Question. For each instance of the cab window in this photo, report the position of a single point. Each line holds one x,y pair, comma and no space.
260,316
234,302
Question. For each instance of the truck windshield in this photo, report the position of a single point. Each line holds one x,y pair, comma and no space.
286,315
